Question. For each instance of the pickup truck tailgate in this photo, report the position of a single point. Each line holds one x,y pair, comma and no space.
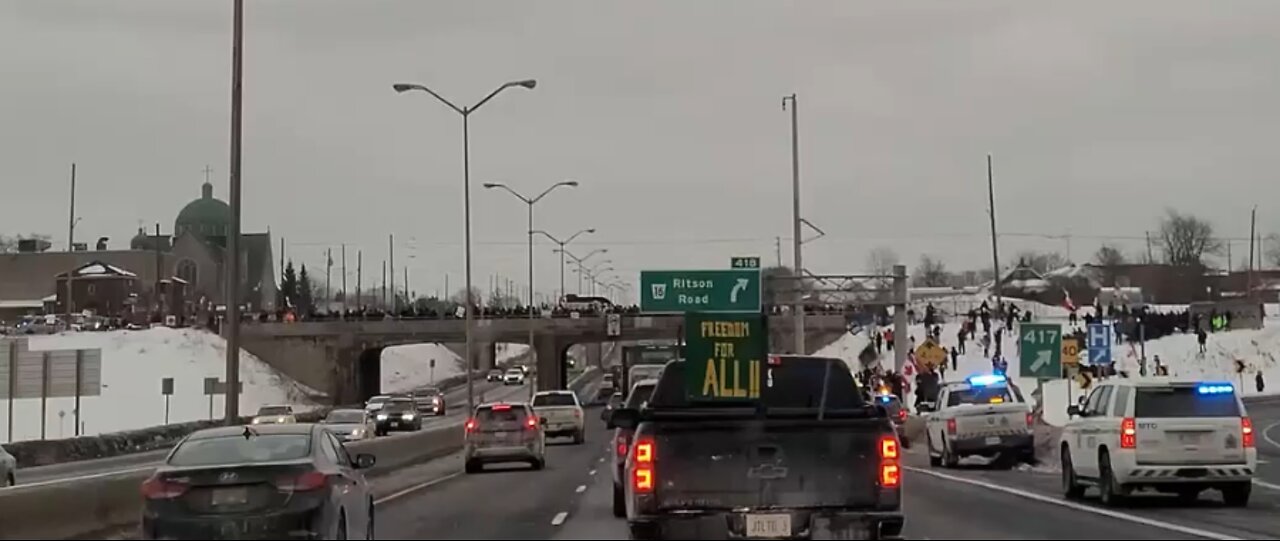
990,420
766,463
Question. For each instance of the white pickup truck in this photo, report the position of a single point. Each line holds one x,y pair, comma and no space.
984,415
563,414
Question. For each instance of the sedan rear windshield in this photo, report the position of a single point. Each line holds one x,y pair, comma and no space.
1169,402
554,399
239,450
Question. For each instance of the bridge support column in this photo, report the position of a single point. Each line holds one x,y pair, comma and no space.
595,354
551,351
488,356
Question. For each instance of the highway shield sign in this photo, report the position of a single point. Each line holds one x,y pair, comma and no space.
1040,350
745,262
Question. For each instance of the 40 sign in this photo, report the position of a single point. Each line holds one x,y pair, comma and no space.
723,356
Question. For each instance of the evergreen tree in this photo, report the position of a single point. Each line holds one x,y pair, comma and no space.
289,287
305,301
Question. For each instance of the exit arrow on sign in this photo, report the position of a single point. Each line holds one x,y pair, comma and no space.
1042,360
737,288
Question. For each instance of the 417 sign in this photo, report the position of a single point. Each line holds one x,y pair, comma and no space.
1040,350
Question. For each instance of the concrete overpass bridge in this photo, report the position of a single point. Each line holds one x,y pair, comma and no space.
343,358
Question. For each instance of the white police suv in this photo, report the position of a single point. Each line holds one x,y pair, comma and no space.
1170,435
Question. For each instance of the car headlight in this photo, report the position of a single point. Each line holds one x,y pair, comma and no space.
382,416
256,421
281,420
357,432
407,416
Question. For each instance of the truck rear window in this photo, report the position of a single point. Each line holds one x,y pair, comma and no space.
981,395
639,395
554,399
1183,402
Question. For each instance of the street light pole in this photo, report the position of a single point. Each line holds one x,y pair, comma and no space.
795,221
232,405
562,251
465,112
531,201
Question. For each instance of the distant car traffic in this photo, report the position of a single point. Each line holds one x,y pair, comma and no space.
1174,436
350,425
494,375
897,413
608,386
274,415
375,403
397,415
430,400
8,465
514,376
498,433
269,481
563,414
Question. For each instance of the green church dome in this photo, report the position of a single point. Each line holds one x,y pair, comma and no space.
207,216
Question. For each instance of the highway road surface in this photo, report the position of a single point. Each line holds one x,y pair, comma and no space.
571,500
71,471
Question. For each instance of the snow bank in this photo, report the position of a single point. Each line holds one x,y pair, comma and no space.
408,367
133,363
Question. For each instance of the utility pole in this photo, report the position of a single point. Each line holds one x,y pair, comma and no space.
282,265
71,246
408,300
328,274
1150,254
391,249
799,308
233,237
777,248
159,266
384,285
995,249
359,275
344,280
1253,222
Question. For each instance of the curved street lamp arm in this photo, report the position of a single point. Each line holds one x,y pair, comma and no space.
405,87
492,185
568,183
527,84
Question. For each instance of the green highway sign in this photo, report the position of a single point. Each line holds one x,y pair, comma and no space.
719,291
724,355
745,262
1040,350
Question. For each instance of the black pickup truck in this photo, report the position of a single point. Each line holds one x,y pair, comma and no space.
810,458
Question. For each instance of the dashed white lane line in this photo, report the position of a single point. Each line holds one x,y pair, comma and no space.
402,493
1076,506
559,518
581,489
592,472
601,460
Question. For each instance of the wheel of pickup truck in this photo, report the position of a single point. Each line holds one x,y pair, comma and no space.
1237,495
10,481
1112,492
1071,487
949,459
579,437
934,461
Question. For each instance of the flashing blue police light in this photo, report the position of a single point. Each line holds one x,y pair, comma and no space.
884,398
987,379
1215,388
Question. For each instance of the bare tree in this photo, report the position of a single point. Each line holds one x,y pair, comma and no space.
1186,239
930,272
1042,262
1109,259
881,260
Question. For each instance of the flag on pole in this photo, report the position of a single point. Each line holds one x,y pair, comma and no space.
1066,300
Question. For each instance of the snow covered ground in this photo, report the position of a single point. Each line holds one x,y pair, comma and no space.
1257,348
133,363
408,367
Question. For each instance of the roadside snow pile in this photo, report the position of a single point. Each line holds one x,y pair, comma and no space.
847,348
408,367
133,363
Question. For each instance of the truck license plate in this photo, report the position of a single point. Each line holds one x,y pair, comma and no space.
767,526
1189,439
993,440
395,425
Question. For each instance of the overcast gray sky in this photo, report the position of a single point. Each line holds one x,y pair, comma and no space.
1099,114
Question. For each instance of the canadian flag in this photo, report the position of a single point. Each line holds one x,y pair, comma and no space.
1066,301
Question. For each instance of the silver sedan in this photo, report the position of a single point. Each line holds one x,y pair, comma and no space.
8,465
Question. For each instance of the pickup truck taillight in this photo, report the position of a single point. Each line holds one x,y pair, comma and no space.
951,426
1031,419
643,475
890,474
531,422
1246,432
1128,433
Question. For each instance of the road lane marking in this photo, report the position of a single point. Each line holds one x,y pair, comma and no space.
1076,506
581,489
1265,484
415,488
592,472
559,518
1266,435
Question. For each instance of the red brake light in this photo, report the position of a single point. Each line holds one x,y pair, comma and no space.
501,407
1128,433
1246,431
471,425
643,475
160,489
951,426
622,442
902,415
890,474
309,481
1031,419
775,360
888,448
531,422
